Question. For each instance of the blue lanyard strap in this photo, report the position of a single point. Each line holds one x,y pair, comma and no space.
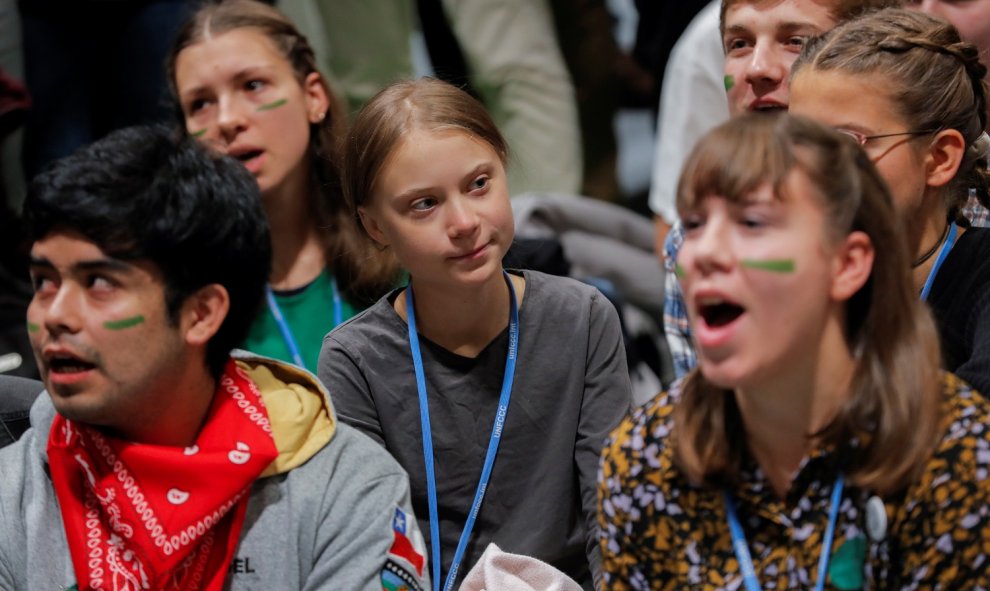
741,546
496,436
283,325
949,242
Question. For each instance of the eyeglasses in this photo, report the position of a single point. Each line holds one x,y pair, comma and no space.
862,139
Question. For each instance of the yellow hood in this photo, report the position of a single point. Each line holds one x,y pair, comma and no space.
299,409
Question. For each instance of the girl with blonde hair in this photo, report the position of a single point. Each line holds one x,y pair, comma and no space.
494,389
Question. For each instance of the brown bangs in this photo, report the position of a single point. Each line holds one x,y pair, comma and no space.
895,389
717,167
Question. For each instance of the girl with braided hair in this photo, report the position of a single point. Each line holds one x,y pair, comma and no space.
912,94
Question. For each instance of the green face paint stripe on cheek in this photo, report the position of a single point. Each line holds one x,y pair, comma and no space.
772,265
32,327
679,271
125,323
274,105
199,133
729,81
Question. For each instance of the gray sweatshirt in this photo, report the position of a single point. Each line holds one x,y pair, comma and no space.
326,524
571,388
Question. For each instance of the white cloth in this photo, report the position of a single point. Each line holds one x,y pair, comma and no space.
692,102
501,571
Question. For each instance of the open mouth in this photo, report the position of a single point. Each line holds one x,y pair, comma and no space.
246,156
67,364
717,312
769,108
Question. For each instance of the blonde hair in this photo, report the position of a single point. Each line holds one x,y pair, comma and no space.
893,406
363,272
936,83
402,107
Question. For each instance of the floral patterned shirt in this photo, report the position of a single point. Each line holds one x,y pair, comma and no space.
660,532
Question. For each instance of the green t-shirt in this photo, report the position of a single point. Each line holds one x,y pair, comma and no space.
309,314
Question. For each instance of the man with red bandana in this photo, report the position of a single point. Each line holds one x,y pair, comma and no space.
156,460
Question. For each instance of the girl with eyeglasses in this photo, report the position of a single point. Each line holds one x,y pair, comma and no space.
911,93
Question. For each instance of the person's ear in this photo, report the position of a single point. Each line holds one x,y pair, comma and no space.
317,99
945,155
203,313
372,227
852,265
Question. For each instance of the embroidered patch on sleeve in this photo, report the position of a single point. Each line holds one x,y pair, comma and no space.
406,558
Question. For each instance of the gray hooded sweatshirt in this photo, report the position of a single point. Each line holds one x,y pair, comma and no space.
324,515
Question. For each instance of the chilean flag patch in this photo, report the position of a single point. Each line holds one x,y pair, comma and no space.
407,556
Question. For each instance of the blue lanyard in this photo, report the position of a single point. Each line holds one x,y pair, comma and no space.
949,242
496,437
741,547
283,326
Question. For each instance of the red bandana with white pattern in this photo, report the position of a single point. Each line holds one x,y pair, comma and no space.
156,517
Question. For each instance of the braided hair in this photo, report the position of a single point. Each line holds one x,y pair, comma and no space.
937,77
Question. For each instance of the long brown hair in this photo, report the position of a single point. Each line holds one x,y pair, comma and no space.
893,407
936,83
363,272
426,103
